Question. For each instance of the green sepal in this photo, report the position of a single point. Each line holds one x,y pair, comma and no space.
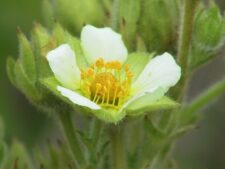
62,36
208,35
54,101
51,84
141,46
58,34
110,115
151,102
24,84
27,57
76,46
54,155
142,59
10,67
18,157
42,159
41,44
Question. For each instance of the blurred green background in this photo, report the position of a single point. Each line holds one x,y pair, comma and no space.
21,119
203,148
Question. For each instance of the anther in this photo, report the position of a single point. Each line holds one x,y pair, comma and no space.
98,86
100,63
90,72
127,68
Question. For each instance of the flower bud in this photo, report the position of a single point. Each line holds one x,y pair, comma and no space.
158,24
74,14
208,35
129,16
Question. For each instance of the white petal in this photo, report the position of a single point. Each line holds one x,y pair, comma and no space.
62,61
156,94
102,43
162,71
78,99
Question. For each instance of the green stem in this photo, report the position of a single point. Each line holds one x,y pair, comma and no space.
72,137
95,131
115,14
185,41
118,150
206,97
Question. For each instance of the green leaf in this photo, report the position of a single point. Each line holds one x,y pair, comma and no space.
151,102
27,57
10,66
141,58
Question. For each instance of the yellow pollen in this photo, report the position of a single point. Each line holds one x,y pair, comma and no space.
90,72
107,83
100,63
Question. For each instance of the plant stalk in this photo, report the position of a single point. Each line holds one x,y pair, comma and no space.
118,149
184,43
205,98
72,137
96,130
115,14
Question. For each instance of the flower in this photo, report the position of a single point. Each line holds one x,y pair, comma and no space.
113,82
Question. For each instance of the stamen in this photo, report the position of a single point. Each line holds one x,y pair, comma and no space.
107,83
100,63
98,87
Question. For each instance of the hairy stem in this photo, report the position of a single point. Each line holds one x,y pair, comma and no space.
115,14
118,150
185,41
205,98
95,131
72,137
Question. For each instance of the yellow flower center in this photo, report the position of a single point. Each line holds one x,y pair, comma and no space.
107,83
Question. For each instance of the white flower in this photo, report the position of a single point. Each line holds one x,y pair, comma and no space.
109,83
